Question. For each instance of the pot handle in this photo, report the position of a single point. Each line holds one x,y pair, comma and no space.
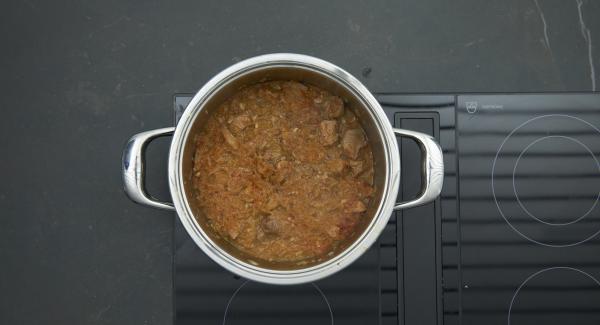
133,168
432,168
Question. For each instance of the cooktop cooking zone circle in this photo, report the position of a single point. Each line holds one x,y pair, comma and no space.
269,304
555,293
546,180
563,172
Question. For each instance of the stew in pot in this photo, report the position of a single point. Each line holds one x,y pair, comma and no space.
284,172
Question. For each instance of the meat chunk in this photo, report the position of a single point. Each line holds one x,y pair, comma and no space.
293,90
233,230
357,166
240,122
283,170
264,168
364,189
352,142
271,204
354,207
333,231
329,134
271,152
270,225
235,184
350,119
230,138
335,166
333,106
219,179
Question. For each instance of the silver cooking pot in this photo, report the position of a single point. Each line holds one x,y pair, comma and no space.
380,134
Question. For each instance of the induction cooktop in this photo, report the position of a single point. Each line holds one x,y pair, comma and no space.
514,237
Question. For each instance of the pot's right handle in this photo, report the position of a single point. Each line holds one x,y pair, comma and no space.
432,165
133,167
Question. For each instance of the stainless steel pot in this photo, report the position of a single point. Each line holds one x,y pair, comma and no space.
381,136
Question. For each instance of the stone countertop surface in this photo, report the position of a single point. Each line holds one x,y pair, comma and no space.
81,77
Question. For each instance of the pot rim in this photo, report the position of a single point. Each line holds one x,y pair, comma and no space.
327,267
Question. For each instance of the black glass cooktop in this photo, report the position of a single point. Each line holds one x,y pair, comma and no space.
513,239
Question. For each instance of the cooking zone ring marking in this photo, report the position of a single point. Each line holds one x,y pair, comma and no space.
512,301
493,184
246,282
517,194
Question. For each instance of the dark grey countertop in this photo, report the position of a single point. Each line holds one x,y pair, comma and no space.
81,77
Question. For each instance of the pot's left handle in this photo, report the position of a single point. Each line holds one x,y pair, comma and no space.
133,168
